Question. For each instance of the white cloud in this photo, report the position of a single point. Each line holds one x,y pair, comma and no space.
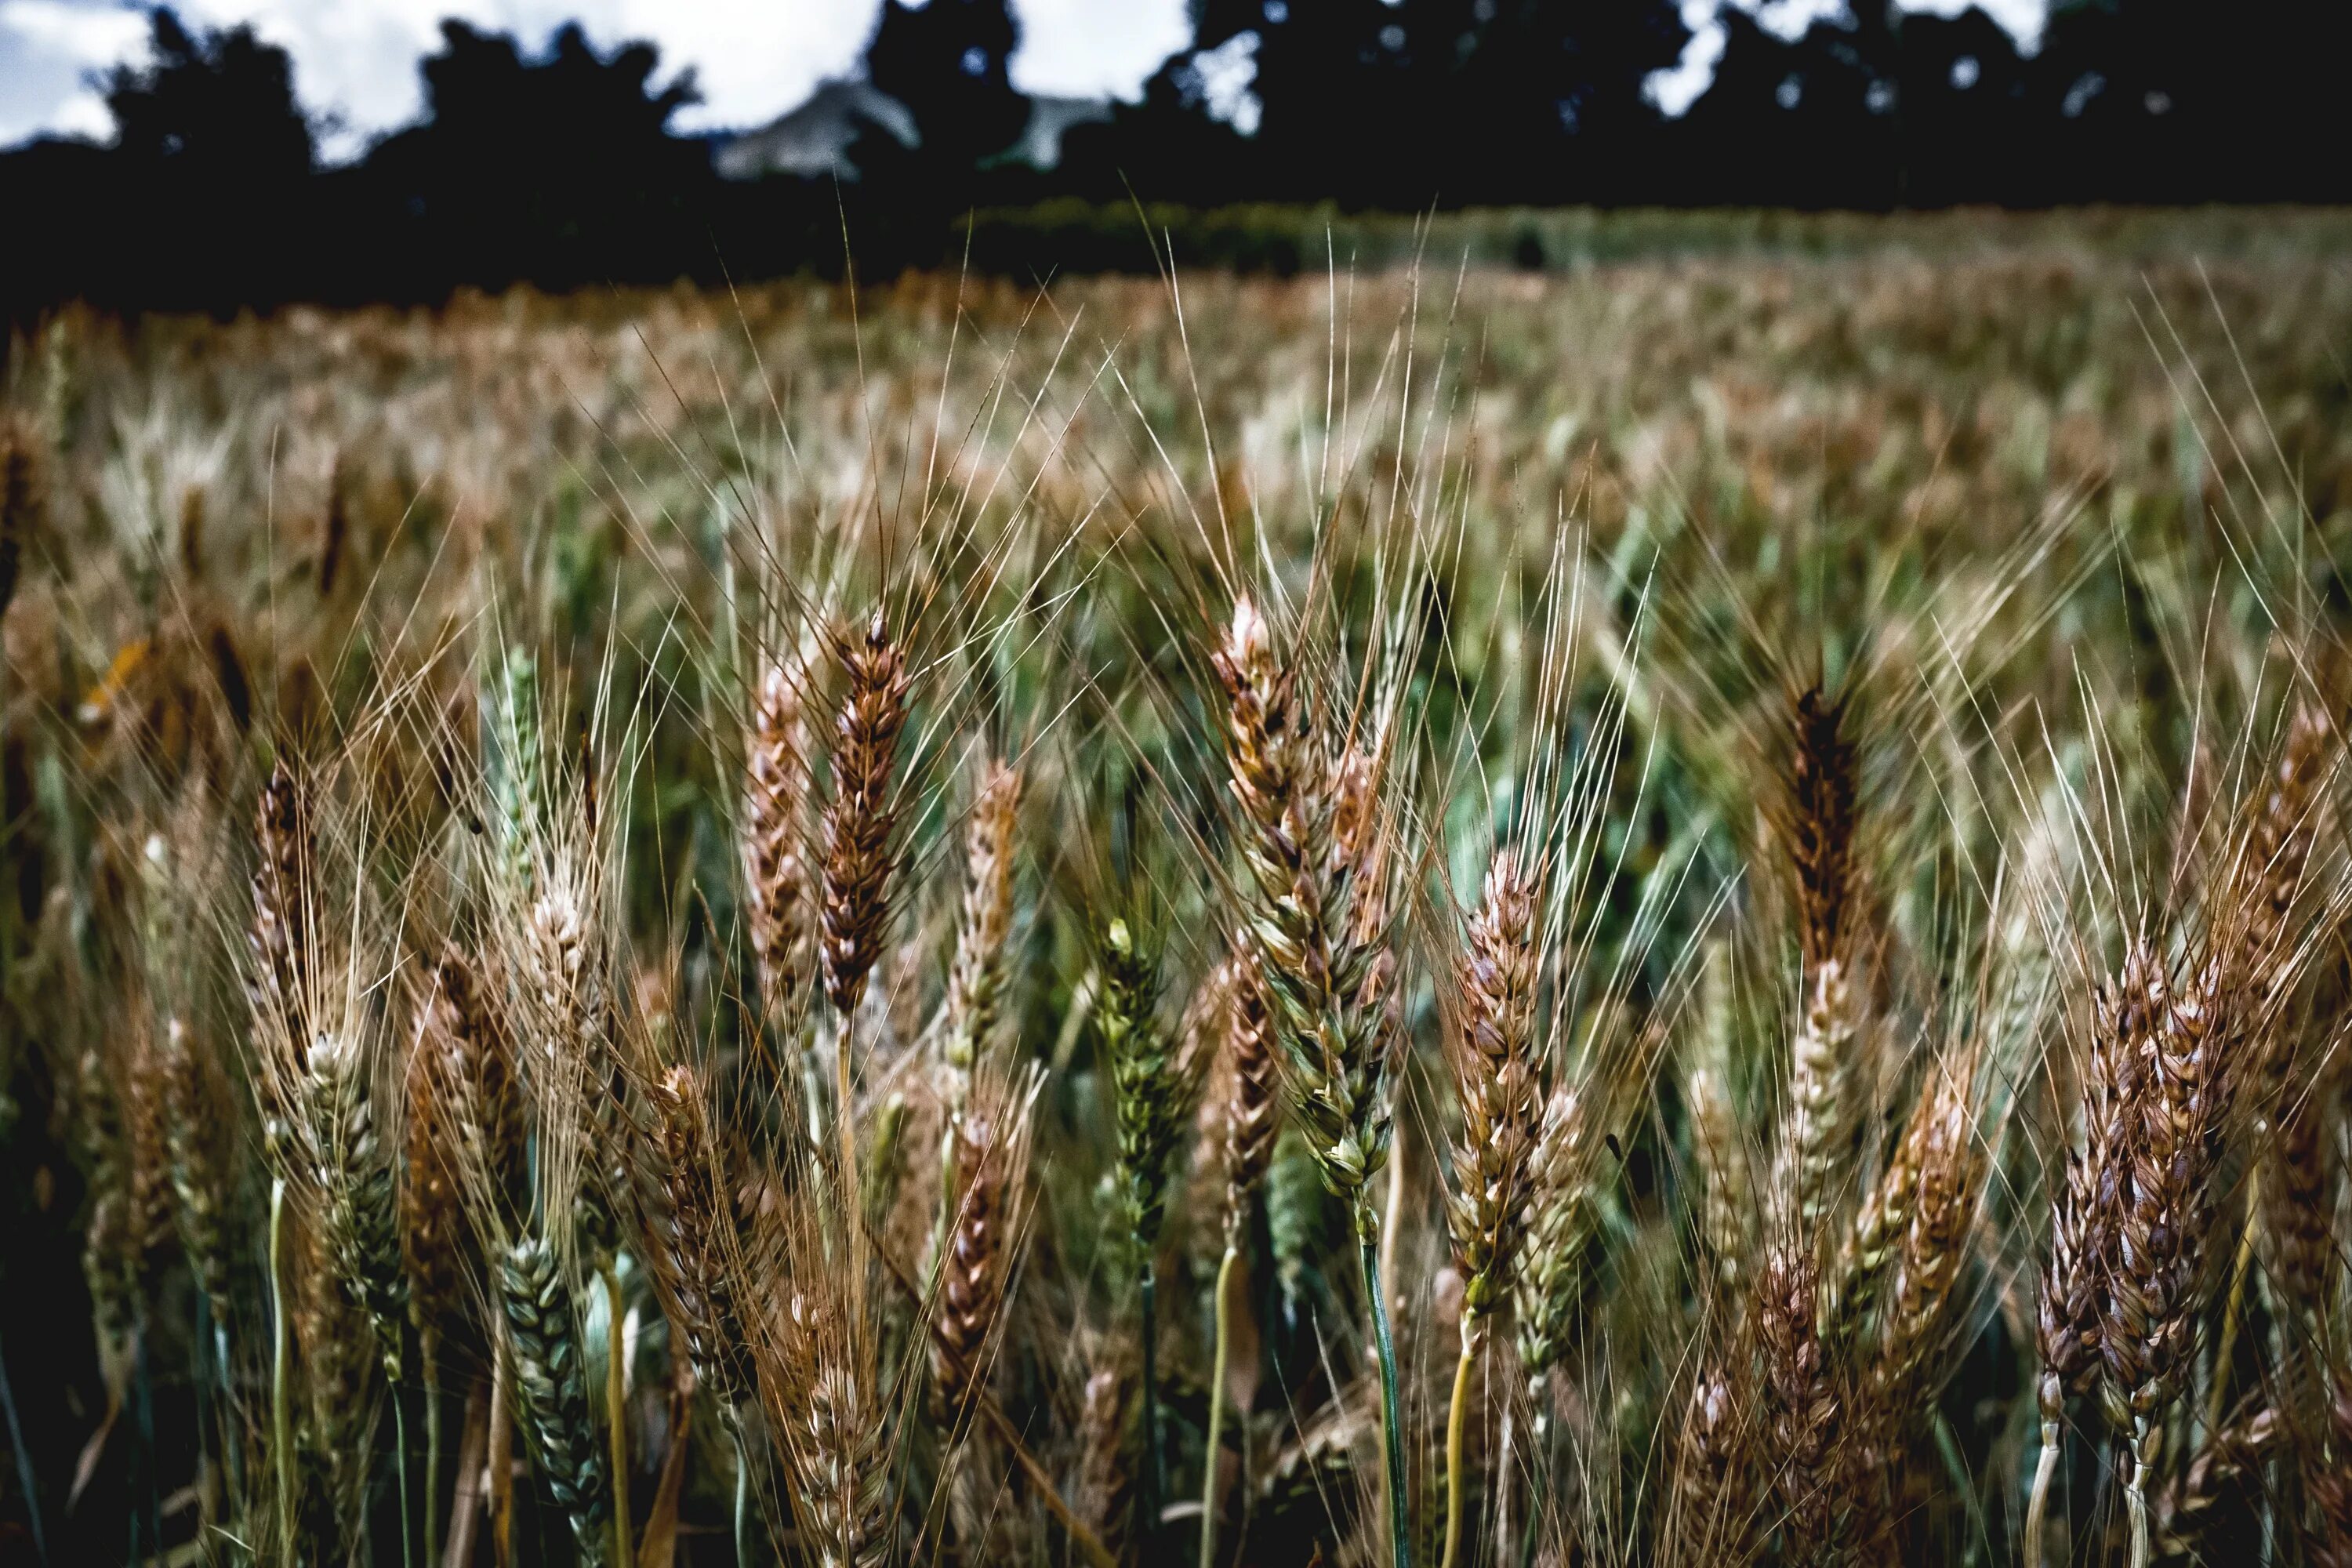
1083,47
48,48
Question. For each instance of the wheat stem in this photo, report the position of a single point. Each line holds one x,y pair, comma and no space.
1368,1248
1154,1479
845,1125
2037,1507
2135,1506
1456,1421
281,1417
430,1353
1216,1406
499,1446
616,1415
742,1489
399,1475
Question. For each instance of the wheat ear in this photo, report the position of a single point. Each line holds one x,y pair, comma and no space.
1157,1081
2148,1328
775,838
1311,842
2068,1324
551,1379
1820,831
1495,1078
690,1249
858,861
983,922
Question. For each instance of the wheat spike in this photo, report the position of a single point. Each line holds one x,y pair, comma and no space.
199,1180
2069,1321
1157,1080
1804,1406
550,1377
1560,1227
333,1334
775,836
859,820
1106,1481
476,1071
837,1433
2164,1212
431,1223
983,922
280,934
1495,1078
1711,1478
1948,1166
1311,844
1820,832
1726,1205
21,491
990,1167
1248,1117
360,1222
689,1248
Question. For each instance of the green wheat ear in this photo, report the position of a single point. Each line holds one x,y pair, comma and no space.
1156,1077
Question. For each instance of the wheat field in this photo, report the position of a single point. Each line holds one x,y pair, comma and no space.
1690,912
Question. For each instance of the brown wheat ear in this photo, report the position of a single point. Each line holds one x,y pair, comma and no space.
2154,1282
280,934
859,820
989,1164
1248,1113
689,1248
475,1069
432,1225
1820,831
1805,1408
2068,1302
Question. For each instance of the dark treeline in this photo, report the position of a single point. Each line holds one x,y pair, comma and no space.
563,167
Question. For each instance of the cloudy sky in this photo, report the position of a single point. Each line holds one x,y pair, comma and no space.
357,59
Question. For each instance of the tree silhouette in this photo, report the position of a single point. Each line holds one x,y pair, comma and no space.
947,61
213,107
561,169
